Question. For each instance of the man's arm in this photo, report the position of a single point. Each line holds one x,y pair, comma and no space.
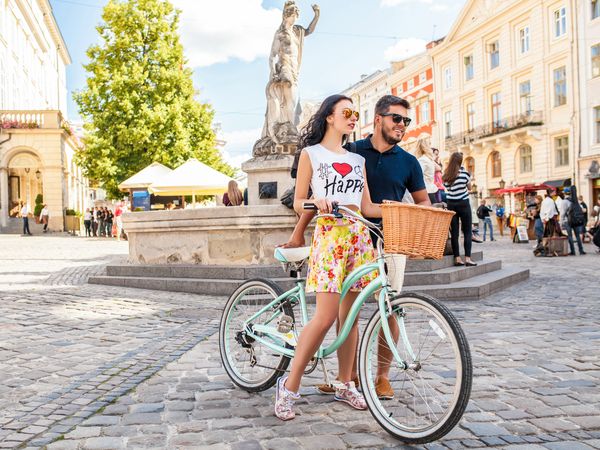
421,198
297,237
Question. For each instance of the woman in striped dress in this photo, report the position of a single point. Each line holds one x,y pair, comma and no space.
458,184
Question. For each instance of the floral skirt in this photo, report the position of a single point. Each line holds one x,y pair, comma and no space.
339,246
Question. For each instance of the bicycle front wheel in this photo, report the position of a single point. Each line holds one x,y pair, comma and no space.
429,396
251,365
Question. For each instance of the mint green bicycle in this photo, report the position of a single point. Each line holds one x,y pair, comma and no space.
430,370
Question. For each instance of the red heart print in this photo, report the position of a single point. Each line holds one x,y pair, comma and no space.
342,168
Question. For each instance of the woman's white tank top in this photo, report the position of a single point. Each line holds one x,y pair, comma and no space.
337,176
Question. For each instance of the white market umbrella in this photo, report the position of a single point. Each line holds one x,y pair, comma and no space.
145,177
191,178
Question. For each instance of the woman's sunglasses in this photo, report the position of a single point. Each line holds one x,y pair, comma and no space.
347,112
397,118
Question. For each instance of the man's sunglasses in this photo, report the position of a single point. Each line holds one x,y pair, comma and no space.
347,112
397,118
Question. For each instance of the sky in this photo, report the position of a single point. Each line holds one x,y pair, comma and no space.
227,44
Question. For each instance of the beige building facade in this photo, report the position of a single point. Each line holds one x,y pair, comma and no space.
37,145
507,92
588,173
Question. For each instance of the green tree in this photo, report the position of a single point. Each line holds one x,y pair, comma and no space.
139,104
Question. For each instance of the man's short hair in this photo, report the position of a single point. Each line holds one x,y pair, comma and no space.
383,104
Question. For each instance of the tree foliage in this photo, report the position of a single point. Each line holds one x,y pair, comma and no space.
138,103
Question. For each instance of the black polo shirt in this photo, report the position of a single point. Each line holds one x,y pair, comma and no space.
391,173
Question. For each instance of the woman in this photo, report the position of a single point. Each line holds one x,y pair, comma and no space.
458,184
339,245
425,157
87,222
233,196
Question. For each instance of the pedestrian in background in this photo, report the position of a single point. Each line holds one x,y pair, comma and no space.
45,217
574,220
108,221
119,219
100,218
440,195
25,216
233,196
87,222
483,213
424,155
94,213
458,184
500,218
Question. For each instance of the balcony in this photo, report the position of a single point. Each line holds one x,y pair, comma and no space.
505,127
31,119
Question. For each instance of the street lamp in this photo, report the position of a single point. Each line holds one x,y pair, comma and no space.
502,183
38,174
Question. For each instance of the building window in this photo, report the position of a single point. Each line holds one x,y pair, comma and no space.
422,77
448,123
470,166
425,112
411,83
595,60
365,117
597,124
525,97
525,158
469,72
496,110
560,22
595,9
561,151
524,40
448,77
494,49
560,86
470,116
496,164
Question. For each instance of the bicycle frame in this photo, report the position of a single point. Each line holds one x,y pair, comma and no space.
381,282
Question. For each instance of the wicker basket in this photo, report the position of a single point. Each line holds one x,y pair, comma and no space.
415,230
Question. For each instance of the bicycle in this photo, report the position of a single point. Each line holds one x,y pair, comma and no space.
431,372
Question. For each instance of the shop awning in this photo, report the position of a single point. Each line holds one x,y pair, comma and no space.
524,188
191,178
145,177
558,183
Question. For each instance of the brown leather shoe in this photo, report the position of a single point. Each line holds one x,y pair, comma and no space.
329,389
384,389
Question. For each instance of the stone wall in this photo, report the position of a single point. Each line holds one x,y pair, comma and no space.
239,235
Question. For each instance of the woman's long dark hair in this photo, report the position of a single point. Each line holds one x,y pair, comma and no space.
315,129
451,172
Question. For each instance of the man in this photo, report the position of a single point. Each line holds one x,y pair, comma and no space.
25,217
584,208
573,221
391,171
483,212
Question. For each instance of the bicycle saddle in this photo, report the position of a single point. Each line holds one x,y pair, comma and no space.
291,255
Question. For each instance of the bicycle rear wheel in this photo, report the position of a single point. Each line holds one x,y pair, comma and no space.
251,365
430,397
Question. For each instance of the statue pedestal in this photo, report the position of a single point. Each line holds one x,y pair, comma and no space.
268,178
231,236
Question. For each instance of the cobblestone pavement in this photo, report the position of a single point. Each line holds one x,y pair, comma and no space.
535,347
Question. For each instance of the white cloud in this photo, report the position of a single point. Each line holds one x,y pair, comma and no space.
404,48
238,145
439,7
215,32
400,2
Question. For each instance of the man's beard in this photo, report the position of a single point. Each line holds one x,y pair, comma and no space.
392,140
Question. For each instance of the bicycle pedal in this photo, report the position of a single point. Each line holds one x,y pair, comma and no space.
285,324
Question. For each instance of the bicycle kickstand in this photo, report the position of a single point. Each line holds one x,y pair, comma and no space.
325,372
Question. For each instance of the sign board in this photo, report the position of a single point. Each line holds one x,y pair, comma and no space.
141,199
522,234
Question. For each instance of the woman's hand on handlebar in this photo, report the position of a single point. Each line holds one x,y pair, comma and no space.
324,205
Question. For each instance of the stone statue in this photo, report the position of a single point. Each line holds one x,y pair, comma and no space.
281,118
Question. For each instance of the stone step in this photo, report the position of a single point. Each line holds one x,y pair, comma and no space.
480,285
450,274
477,287
220,272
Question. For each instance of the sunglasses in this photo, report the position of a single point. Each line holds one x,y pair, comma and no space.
397,118
347,113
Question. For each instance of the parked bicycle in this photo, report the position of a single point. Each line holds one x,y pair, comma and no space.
431,370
